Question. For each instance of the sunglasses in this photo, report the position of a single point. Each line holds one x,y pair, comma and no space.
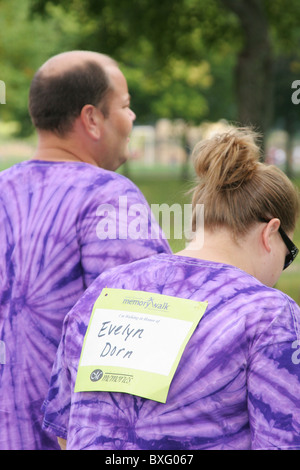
293,250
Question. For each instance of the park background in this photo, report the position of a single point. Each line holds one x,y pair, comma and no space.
193,67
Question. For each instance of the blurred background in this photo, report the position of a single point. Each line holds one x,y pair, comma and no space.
193,68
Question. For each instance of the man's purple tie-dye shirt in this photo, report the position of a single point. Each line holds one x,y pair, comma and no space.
237,385
50,252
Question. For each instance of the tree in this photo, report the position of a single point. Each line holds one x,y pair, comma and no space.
26,41
287,103
193,30
189,59
24,45
254,66
169,74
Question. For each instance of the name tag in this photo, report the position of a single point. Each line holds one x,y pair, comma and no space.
134,342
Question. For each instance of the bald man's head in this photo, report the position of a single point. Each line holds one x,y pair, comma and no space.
64,85
65,61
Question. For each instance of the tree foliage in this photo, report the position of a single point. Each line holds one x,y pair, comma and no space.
25,43
255,32
188,59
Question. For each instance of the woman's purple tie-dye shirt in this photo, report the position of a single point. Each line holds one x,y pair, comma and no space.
50,252
237,385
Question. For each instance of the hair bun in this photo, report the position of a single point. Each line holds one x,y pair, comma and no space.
227,160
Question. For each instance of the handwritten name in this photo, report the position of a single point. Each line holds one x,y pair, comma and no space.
108,328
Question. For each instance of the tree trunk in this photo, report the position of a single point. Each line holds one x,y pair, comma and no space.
254,75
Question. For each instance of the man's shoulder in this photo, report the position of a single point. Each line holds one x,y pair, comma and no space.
99,176
111,184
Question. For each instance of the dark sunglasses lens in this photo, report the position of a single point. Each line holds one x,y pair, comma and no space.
290,257
288,260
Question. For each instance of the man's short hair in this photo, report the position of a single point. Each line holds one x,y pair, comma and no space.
55,101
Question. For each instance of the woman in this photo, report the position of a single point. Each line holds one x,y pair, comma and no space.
237,382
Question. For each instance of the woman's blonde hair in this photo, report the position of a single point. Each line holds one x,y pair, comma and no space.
238,190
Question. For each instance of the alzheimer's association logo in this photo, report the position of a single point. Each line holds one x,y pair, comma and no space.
96,375
2,92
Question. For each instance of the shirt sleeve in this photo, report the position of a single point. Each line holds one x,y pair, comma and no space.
274,382
117,227
56,407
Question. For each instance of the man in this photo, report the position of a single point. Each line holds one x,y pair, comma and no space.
51,209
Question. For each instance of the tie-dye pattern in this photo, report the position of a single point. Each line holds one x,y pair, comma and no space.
50,253
237,385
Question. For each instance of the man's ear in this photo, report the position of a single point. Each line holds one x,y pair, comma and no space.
268,233
92,119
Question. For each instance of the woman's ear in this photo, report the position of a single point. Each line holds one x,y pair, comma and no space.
268,233
91,119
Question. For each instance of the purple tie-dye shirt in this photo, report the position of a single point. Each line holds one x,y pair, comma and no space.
237,385
50,253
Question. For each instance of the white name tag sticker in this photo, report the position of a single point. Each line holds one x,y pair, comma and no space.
135,341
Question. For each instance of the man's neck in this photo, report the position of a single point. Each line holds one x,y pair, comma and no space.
52,148
55,154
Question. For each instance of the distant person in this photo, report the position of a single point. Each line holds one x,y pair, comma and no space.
52,247
237,382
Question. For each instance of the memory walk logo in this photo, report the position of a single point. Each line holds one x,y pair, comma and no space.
147,304
2,92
